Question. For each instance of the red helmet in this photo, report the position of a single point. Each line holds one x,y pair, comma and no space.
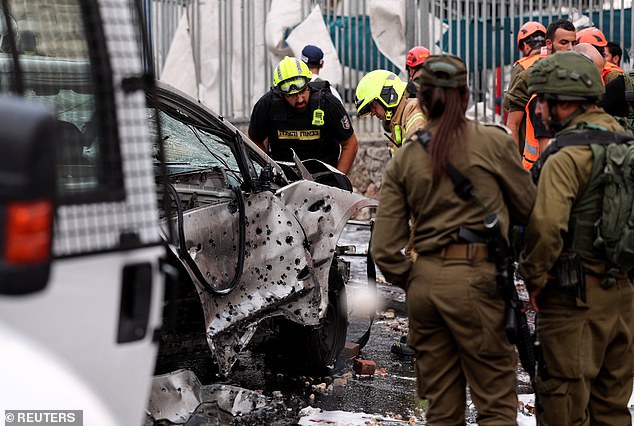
416,56
527,30
592,35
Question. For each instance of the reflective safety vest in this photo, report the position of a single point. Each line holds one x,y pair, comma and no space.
608,68
531,145
528,61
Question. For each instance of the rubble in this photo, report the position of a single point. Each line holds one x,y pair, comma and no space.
364,366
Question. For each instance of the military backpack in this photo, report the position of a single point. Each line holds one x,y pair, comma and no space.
610,236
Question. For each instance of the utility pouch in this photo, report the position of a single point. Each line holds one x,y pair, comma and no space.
470,236
570,276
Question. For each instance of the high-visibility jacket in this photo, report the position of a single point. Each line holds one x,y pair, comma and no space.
607,69
531,144
527,61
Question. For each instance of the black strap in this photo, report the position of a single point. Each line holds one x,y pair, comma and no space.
591,136
576,137
462,185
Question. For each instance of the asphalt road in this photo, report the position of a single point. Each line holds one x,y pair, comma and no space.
260,394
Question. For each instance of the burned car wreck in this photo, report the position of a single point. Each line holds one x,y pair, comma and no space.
255,242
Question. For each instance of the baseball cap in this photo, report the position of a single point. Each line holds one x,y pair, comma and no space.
312,55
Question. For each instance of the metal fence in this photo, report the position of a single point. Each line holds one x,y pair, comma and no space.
482,32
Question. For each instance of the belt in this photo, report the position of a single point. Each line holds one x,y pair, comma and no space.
472,251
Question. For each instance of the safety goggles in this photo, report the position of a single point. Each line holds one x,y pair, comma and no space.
366,108
293,86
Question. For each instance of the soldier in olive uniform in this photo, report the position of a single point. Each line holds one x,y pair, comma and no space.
585,376
455,311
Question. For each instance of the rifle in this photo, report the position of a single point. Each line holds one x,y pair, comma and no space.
499,252
515,322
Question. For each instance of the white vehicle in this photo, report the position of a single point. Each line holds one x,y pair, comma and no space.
81,287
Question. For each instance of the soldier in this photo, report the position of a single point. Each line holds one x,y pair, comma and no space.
560,36
584,325
382,94
456,314
595,37
531,37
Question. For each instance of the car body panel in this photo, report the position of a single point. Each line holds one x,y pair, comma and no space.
291,231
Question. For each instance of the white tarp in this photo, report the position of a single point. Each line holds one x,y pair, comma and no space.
313,31
282,17
387,25
229,71
219,61
179,69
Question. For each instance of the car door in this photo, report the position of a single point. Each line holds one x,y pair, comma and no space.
99,310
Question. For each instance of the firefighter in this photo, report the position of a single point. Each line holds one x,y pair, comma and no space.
382,94
296,115
413,63
455,310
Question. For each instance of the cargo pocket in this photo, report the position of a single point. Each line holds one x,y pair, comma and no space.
563,341
489,308
555,400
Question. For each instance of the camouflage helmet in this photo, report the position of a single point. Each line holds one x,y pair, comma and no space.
566,76
445,71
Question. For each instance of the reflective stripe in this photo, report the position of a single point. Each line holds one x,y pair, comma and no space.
531,144
531,150
398,136
299,66
412,120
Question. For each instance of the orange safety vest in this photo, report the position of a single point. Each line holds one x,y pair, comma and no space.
527,61
531,144
608,68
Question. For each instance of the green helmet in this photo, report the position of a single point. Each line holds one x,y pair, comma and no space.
291,75
447,71
566,76
379,85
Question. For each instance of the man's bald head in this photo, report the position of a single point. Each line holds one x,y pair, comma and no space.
591,52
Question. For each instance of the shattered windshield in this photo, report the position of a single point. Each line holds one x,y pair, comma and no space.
190,146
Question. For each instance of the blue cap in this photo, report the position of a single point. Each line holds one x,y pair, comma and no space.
312,55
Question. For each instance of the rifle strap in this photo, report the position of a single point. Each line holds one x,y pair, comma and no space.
462,185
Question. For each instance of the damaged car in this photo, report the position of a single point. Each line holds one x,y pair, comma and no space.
255,242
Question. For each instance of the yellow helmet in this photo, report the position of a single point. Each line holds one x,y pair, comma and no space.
291,75
379,85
